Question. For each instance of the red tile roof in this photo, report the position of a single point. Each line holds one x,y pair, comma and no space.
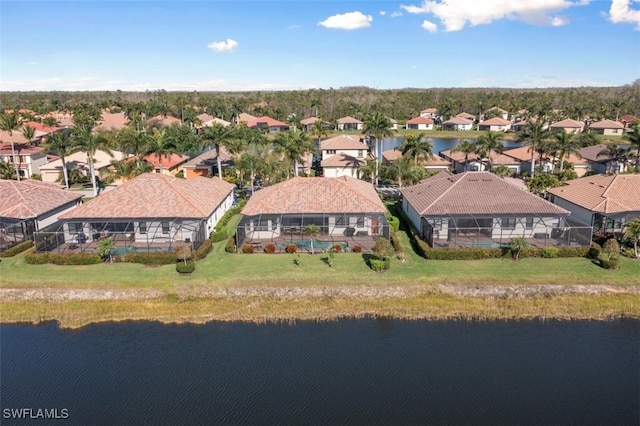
153,195
174,160
607,124
523,153
342,160
420,120
266,121
316,195
458,120
350,142
604,194
32,198
567,123
18,149
348,120
41,127
495,121
474,193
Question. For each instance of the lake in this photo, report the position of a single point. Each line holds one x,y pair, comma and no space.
440,144
368,371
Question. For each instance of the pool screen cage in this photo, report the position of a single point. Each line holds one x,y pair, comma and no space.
497,231
15,231
348,229
142,235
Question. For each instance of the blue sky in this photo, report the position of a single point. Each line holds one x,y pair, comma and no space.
301,44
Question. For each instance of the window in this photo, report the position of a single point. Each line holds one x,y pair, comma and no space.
436,224
360,222
331,151
165,227
529,223
508,223
341,222
360,153
75,227
142,226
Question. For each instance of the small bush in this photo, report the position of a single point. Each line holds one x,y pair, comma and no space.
270,248
18,248
231,245
395,241
77,259
594,251
187,268
204,249
549,252
394,222
291,248
379,265
247,248
336,248
357,248
163,258
217,236
611,264
224,220
33,258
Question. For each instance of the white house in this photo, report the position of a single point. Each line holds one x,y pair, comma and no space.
342,155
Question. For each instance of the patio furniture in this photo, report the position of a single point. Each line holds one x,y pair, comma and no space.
349,232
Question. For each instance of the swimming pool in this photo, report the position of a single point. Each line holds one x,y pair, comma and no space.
121,251
317,245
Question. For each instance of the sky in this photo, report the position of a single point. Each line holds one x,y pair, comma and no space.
302,44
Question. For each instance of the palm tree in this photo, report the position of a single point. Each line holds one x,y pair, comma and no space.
369,168
218,136
533,134
634,140
85,140
404,170
466,147
565,145
319,130
378,126
632,232
415,147
161,145
253,162
127,170
517,245
50,121
28,132
62,143
6,170
294,145
135,142
312,231
618,155
10,123
488,143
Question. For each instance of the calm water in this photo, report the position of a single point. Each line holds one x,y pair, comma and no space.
440,144
346,372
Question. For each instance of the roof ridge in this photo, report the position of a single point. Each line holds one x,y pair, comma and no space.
445,191
349,183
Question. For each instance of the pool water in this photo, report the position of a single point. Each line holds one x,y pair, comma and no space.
121,251
317,245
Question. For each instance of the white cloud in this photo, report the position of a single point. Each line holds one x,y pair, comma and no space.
383,12
347,21
455,14
293,27
621,12
429,26
396,14
223,46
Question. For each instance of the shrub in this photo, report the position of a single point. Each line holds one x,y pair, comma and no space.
610,249
224,220
357,248
231,245
270,248
336,248
33,258
594,251
394,222
247,248
395,241
186,268
382,248
611,264
75,259
549,252
18,248
217,236
204,249
291,248
183,252
379,265
163,258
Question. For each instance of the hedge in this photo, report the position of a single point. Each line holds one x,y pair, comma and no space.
395,241
185,268
202,252
217,236
33,258
75,259
231,245
224,220
163,258
18,248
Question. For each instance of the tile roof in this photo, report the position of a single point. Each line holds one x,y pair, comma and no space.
495,121
41,127
18,149
420,120
243,117
342,160
430,110
466,115
606,124
393,154
208,159
163,120
79,160
205,117
474,193
266,120
316,195
113,121
628,118
458,120
567,123
15,137
32,198
496,108
590,153
311,120
523,153
601,193
153,195
496,159
348,119
174,160
343,142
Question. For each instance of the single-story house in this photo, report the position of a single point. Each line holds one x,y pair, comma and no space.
521,125
206,164
346,210
433,164
420,123
474,164
394,123
243,117
495,124
607,127
101,161
607,202
207,120
112,121
342,155
429,113
523,154
484,210
601,163
162,121
628,120
349,123
504,114
30,205
266,122
26,158
152,212
457,123
308,123
568,126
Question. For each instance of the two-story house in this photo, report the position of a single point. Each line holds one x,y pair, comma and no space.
342,155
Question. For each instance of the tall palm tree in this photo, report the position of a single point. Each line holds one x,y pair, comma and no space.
10,123
319,130
62,143
161,145
378,126
135,142
368,169
487,144
565,145
50,121
29,133
6,170
404,170
415,147
218,136
466,147
632,232
617,154
634,140
85,140
294,145
127,170
532,135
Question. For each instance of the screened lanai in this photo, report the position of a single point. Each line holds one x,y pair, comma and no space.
145,235
346,229
488,231
15,231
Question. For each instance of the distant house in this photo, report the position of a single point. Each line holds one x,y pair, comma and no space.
567,126
523,154
42,131
504,114
243,117
394,123
207,120
605,202
433,164
27,159
101,161
601,163
457,123
308,123
349,123
466,116
347,211
268,123
429,113
162,121
152,212
342,155
167,165
607,127
628,121
206,164
420,123
112,121
474,164
483,210
495,124
521,125
28,206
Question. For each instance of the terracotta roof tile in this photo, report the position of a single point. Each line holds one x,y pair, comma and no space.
32,198
607,124
342,160
343,142
420,120
601,193
394,154
495,121
174,160
348,120
567,123
496,159
458,120
18,149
